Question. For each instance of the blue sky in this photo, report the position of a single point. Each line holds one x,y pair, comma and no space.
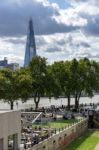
63,4
64,29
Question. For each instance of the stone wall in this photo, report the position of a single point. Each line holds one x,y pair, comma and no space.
10,124
63,138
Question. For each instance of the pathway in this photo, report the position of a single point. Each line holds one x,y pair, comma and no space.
97,147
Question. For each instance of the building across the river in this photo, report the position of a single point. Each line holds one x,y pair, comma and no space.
30,51
4,64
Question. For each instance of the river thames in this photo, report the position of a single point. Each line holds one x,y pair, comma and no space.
46,102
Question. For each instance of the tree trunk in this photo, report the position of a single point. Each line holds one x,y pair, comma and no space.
36,100
11,105
36,106
76,104
77,97
68,102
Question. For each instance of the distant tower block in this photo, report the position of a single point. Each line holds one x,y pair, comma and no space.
30,44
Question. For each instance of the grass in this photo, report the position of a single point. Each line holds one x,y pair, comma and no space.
86,142
61,123
57,124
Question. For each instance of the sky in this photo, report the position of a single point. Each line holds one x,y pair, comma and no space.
64,29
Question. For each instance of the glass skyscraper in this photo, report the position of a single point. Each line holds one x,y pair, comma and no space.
30,44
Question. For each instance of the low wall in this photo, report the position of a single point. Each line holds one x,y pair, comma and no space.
63,138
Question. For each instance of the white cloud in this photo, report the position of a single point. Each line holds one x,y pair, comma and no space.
60,33
70,17
13,51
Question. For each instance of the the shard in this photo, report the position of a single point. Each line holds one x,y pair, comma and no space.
30,44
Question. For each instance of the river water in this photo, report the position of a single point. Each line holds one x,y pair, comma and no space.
46,102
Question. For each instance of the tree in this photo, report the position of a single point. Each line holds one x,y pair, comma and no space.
61,74
52,85
83,79
95,73
17,85
10,94
38,70
23,84
68,83
58,74
2,86
76,79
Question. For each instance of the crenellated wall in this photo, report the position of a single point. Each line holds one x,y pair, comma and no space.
63,138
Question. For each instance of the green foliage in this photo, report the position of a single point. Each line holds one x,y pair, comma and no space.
14,85
64,78
23,84
10,87
38,71
2,86
53,88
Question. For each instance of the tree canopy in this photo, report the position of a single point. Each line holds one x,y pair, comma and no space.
38,71
72,78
